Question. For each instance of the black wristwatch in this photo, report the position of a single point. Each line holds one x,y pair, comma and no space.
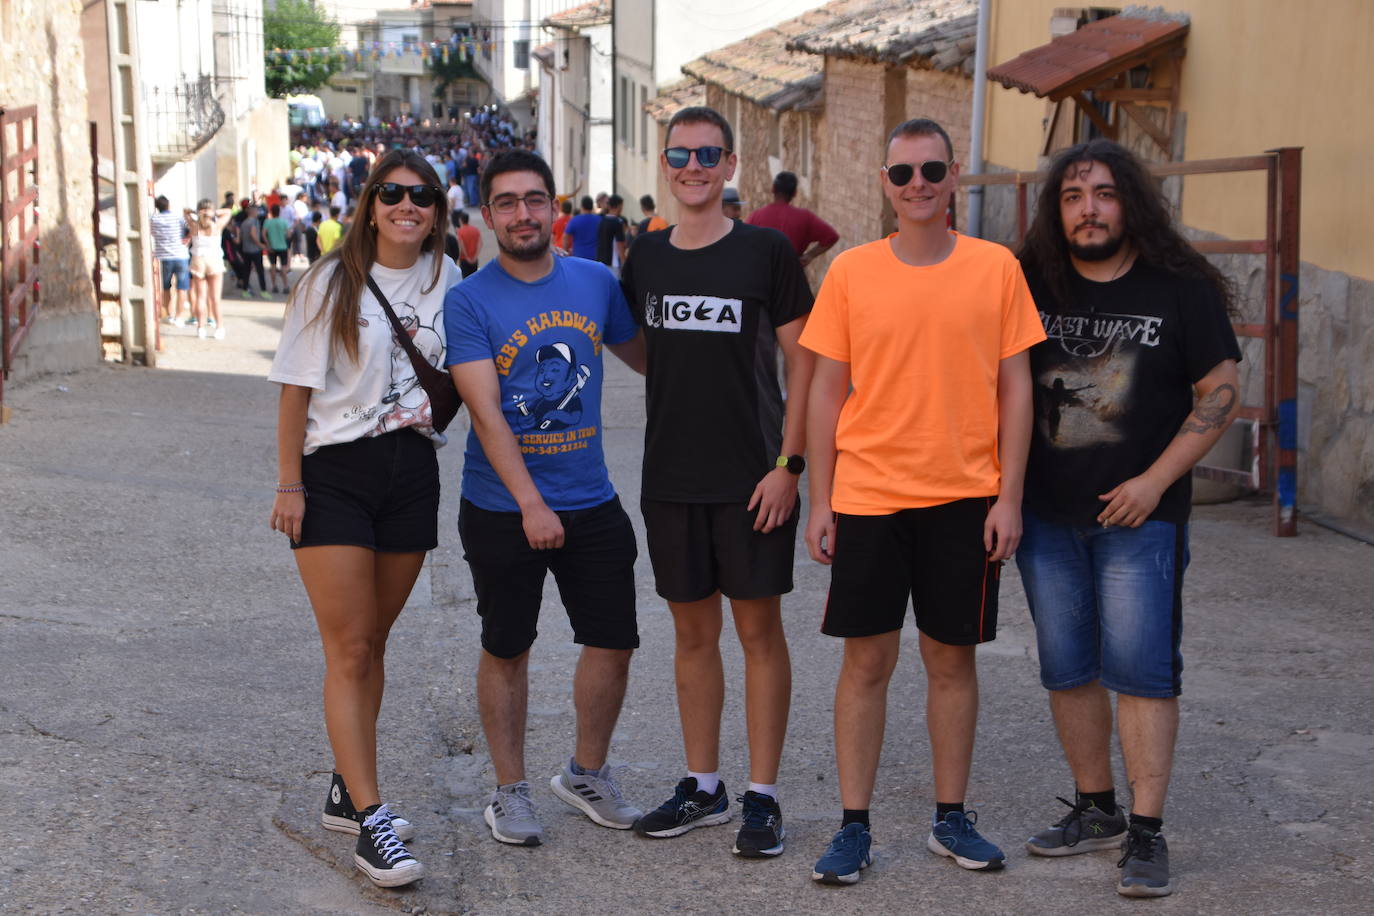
795,464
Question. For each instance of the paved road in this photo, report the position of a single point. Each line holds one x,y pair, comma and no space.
162,749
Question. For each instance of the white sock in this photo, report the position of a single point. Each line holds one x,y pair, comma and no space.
770,790
706,782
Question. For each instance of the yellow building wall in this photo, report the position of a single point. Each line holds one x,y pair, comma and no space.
1258,74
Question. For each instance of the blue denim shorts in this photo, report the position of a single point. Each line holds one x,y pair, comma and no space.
1107,604
178,269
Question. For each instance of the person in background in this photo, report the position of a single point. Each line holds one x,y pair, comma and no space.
651,222
581,234
810,235
312,238
470,238
730,203
560,224
275,231
170,234
207,267
330,231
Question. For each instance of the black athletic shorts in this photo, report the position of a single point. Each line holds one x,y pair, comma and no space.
594,571
379,492
934,556
279,257
698,549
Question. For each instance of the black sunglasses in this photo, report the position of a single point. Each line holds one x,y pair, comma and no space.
932,170
708,157
421,195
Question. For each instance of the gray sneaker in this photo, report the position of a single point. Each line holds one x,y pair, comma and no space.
596,795
1084,829
1144,865
511,816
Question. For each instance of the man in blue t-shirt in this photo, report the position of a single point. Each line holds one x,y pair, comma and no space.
583,230
524,344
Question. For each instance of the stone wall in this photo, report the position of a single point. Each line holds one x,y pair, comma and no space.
44,67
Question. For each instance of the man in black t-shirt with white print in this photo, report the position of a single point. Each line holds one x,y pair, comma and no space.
1135,383
717,299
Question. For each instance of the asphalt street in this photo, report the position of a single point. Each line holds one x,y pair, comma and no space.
162,748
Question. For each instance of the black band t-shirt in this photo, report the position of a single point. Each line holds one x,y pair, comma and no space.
1113,384
715,408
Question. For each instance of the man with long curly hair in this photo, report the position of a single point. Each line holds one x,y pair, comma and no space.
1135,383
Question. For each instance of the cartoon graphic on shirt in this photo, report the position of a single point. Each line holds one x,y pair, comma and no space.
555,403
652,317
406,402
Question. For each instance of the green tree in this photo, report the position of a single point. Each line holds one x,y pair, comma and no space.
297,25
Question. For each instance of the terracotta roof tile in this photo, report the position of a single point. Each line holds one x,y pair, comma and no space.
933,34
1098,51
674,97
597,12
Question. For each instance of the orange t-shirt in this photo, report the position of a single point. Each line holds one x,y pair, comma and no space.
470,238
558,226
923,346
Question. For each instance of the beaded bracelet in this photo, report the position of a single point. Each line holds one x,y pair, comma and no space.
297,487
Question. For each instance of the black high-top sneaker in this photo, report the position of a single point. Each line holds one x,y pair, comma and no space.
340,815
381,854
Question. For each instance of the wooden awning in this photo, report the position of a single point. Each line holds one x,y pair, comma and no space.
1097,58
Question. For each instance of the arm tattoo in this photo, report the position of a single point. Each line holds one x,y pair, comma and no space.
1211,410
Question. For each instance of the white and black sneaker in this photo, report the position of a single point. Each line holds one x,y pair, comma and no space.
688,809
341,816
381,854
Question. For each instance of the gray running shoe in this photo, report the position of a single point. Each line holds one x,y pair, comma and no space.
1084,829
1144,865
511,816
596,795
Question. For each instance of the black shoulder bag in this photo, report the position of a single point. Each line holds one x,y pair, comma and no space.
438,384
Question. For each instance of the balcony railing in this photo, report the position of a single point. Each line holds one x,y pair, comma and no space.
182,118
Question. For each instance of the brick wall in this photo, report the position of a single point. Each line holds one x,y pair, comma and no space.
45,68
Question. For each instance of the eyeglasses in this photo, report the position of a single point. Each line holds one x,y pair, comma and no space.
932,170
421,195
708,157
534,202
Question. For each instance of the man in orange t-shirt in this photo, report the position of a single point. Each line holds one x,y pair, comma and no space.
469,244
916,477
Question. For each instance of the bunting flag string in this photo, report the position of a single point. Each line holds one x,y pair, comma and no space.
464,48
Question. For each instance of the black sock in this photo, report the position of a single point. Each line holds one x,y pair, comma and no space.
854,816
943,808
1152,824
1102,801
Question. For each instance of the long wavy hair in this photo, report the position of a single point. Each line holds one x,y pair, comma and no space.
1148,225
352,257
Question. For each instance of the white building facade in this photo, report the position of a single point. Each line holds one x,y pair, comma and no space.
506,33
575,104
653,39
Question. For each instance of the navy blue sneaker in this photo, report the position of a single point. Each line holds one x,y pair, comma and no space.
849,854
761,832
955,838
687,809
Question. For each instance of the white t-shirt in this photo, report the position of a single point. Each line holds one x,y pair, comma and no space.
340,201
380,393
455,198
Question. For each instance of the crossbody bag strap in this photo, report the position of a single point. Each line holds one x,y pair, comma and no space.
406,343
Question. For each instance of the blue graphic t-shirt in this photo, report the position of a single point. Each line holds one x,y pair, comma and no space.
545,338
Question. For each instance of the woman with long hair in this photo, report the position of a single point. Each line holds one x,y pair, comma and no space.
207,267
358,484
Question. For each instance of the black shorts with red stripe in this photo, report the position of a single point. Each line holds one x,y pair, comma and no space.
933,556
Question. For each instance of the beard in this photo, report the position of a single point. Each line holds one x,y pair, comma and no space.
532,250
1099,252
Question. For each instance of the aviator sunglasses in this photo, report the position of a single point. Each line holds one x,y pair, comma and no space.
708,157
421,195
932,170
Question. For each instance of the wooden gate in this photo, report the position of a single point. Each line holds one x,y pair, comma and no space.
18,230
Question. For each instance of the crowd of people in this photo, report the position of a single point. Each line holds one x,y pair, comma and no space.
953,404
304,216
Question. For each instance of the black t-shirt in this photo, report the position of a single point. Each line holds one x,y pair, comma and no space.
312,242
452,248
715,409
610,231
1113,384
